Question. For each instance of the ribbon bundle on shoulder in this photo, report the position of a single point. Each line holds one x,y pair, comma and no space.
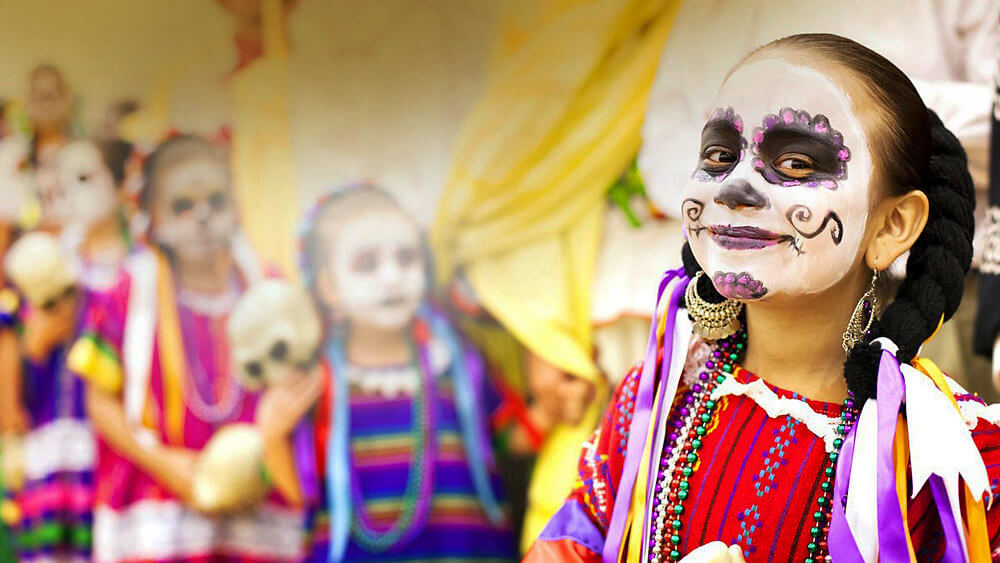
915,423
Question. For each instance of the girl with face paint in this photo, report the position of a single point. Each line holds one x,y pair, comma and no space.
154,357
57,496
404,430
782,412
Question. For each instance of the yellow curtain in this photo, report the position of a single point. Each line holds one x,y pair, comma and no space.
521,214
263,163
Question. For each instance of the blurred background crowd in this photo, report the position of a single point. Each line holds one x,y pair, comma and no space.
470,203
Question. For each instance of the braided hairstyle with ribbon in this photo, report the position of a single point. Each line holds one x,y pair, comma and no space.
911,149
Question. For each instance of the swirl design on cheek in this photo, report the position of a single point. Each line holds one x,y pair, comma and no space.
798,215
799,132
692,210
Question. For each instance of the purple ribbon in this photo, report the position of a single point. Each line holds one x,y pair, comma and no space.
840,541
892,544
304,452
952,529
641,415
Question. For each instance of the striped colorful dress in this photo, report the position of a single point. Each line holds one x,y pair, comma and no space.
382,438
758,476
57,500
136,519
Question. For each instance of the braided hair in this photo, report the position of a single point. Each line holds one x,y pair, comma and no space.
912,149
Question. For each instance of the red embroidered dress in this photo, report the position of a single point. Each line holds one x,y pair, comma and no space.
757,479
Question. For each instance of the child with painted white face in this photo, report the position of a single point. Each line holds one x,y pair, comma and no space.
155,359
746,434
405,429
51,402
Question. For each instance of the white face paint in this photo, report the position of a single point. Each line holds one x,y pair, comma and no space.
779,201
86,182
57,206
193,214
378,269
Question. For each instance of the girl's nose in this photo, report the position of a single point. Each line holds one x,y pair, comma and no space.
737,194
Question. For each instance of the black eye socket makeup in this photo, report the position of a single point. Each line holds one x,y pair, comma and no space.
793,148
722,145
182,205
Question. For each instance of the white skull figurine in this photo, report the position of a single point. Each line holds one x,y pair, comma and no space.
272,329
40,268
229,472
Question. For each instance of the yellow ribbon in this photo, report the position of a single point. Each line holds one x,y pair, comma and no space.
632,549
171,353
901,451
977,536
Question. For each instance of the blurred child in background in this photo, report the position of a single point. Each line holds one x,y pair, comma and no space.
404,434
59,451
156,364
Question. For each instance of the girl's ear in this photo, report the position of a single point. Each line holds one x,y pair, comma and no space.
899,222
326,289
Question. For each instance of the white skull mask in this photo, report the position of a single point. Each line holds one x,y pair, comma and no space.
273,328
40,268
86,182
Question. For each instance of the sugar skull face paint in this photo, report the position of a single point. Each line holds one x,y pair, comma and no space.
722,145
87,182
193,214
378,268
794,131
787,216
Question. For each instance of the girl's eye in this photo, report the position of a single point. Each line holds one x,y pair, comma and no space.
364,262
407,256
795,165
182,205
218,201
83,178
718,157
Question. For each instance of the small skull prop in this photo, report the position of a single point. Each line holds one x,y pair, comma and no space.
40,269
229,472
273,328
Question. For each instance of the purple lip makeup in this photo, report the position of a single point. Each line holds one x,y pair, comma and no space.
745,237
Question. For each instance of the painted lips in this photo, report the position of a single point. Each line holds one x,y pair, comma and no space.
744,238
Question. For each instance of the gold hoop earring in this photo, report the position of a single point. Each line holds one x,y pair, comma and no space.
857,327
712,321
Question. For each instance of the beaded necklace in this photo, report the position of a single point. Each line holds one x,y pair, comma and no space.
197,391
420,479
680,458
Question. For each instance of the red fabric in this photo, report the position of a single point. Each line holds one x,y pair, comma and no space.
757,482
564,551
321,427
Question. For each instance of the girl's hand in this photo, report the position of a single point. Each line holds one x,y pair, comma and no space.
176,470
715,552
575,395
286,402
563,397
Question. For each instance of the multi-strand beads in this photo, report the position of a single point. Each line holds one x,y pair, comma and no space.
680,454
680,459
817,546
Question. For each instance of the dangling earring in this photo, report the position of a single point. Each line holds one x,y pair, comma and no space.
712,321
866,307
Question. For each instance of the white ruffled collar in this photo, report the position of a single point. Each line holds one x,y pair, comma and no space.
391,382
